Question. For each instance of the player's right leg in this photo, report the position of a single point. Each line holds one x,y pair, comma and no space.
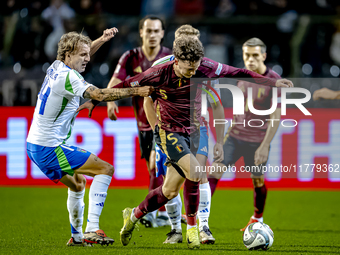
154,200
75,207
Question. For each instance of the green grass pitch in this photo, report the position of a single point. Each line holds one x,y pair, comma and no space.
35,221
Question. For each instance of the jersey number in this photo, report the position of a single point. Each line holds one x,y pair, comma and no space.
170,138
43,97
163,92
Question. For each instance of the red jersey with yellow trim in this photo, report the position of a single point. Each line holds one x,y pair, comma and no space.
262,100
174,105
131,63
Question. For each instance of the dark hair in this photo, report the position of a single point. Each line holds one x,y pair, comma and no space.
152,17
188,49
253,42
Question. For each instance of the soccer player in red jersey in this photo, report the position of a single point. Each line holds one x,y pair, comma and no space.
252,143
131,63
176,132
173,105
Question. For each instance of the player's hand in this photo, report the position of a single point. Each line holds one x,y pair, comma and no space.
284,83
145,91
261,155
324,93
112,108
90,105
109,33
218,153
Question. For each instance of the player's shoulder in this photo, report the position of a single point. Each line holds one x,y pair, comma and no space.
208,63
131,53
163,60
166,51
272,74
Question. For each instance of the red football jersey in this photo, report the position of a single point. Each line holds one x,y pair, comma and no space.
172,94
262,100
131,63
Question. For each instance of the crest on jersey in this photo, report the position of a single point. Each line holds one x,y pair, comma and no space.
138,69
134,84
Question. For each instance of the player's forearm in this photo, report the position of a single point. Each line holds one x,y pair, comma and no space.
250,76
110,94
273,125
96,44
150,112
337,94
218,113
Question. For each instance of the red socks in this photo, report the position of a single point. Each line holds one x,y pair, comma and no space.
154,200
260,195
191,195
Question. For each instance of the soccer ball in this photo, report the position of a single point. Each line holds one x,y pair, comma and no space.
258,236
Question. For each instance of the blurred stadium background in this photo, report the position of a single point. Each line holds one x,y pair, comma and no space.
303,43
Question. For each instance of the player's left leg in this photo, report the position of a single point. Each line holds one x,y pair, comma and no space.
260,189
147,147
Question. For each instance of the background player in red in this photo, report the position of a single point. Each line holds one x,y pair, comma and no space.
252,143
131,63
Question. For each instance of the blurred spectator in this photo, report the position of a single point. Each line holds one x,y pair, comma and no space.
334,50
163,8
225,8
189,7
10,11
59,14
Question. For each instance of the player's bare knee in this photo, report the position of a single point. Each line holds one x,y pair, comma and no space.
169,194
109,170
258,181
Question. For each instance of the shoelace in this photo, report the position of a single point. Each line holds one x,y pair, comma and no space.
171,233
207,230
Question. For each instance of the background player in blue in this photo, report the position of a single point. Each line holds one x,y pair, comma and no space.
131,63
251,143
53,120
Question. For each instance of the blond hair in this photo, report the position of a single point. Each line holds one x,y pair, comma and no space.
187,30
69,43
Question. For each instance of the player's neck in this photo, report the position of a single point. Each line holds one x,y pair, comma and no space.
262,69
151,53
178,74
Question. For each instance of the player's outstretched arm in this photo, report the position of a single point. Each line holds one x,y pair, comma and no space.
112,108
150,112
107,35
113,94
218,112
96,95
284,83
326,93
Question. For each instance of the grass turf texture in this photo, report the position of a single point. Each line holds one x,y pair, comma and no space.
35,221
